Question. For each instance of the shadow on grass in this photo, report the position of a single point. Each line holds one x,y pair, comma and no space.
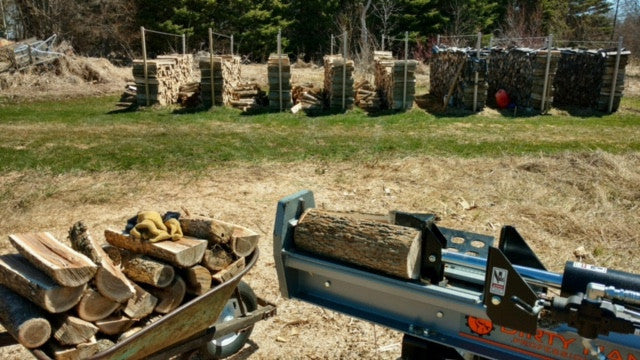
129,109
577,111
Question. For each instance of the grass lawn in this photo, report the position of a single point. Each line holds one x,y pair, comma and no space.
86,135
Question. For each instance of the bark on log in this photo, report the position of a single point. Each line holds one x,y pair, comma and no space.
390,249
229,272
71,330
95,306
109,280
170,297
198,279
214,231
216,259
20,276
243,241
146,270
115,324
185,252
141,304
129,333
66,266
23,320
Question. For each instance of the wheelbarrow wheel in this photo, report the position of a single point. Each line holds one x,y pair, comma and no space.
232,343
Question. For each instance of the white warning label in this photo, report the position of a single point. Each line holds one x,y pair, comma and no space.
498,281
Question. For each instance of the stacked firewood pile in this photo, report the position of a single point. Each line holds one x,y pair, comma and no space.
367,97
226,76
397,93
128,96
164,77
279,74
248,97
338,82
520,72
189,94
73,302
307,97
584,79
453,71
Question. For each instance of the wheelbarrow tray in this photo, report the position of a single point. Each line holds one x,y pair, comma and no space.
193,319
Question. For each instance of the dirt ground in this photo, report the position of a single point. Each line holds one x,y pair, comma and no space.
558,203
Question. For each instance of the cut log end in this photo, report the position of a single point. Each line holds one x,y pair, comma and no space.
34,333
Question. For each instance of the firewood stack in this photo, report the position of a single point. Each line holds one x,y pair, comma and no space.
73,302
367,97
445,68
189,94
307,97
226,76
390,82
338,74
275,66
248,96
585,78
520,72
164,77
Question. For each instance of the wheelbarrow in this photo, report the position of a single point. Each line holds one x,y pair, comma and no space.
217,323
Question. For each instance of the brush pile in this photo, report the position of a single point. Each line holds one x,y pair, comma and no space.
279,74
226,76
74,302
164,77
338,82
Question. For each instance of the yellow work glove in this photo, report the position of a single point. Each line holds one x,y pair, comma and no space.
150,227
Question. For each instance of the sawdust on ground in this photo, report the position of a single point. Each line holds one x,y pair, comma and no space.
559,203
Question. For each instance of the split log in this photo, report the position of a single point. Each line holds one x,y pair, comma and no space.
141,304
95,306
23,320
229,272
170,297
243,241
81,351
66,266
214,231
390,249
185,252
146,270
73,331
198,279
216,259
129,333
20,276
115,324
109,280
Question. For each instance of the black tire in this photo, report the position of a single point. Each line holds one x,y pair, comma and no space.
230,344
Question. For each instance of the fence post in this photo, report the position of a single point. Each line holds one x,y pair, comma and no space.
184,44
545,85
344,71
382,42
213,89
231,44
144,62
406,61
615,75
4,21
332,43
438,40
280,67
476,76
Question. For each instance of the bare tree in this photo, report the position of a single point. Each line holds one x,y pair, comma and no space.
364,34
385,11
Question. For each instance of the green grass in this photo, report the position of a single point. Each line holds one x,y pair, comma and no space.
83,134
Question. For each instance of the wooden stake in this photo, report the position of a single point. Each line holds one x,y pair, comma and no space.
144,59
66,266
23,320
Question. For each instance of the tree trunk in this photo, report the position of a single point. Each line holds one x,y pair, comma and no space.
66,266
185,252
390,249
23,320
95,306
109,280
20,276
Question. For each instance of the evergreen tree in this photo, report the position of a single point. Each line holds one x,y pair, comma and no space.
589,19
